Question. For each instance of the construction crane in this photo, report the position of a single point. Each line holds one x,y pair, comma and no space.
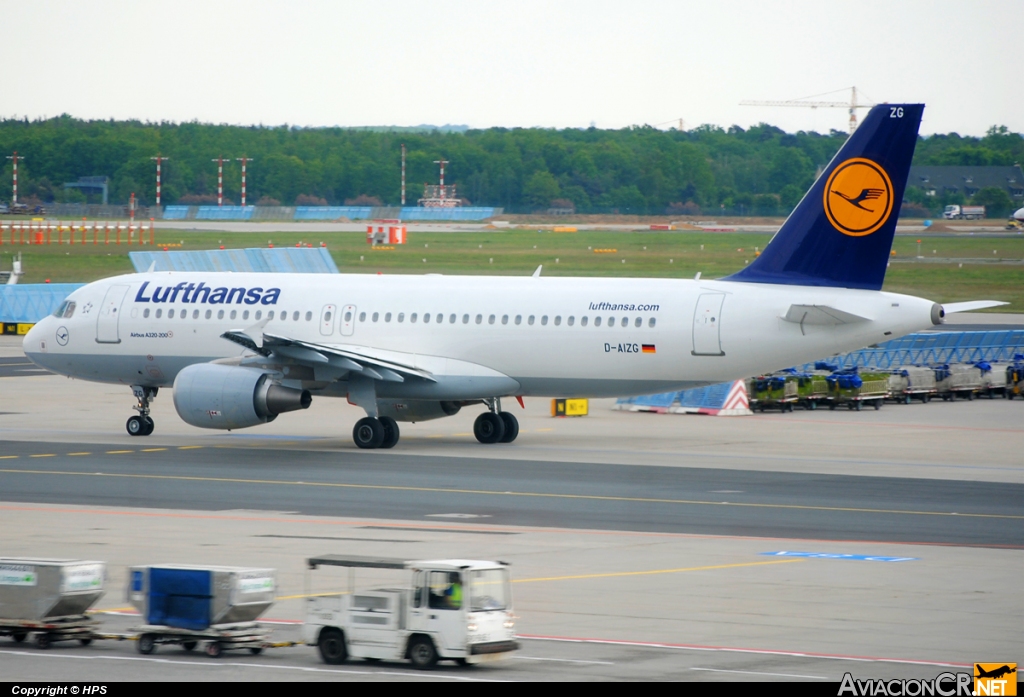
853,105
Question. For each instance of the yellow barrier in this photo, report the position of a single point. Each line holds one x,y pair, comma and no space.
16,328
605,251
565,229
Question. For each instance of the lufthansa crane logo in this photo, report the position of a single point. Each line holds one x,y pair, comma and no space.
858,197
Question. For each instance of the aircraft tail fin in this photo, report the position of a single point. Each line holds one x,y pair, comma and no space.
841,233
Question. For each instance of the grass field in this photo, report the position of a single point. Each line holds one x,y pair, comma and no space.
515,252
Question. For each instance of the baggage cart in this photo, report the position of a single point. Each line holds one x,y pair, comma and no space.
855,389
993,379
773,392
49,598
219,638
908,383
957,381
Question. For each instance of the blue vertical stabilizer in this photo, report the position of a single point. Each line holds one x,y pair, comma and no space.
840,234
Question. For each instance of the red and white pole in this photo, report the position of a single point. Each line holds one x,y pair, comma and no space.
159,159
220,180
14,158
243,160
442,163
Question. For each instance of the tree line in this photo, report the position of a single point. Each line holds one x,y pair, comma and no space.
708,170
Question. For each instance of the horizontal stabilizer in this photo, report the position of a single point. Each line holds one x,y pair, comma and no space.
821,314
950,308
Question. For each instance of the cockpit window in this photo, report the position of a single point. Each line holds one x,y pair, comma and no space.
66,309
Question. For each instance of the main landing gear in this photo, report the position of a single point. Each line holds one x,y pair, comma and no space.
495,426
142,425
370,432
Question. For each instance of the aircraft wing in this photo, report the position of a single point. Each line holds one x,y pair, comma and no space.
820,314
314,354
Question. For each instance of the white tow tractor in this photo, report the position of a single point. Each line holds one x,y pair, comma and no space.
454,609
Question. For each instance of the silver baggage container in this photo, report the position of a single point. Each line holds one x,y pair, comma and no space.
38,589
197,597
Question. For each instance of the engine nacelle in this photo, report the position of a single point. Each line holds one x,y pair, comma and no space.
228,397
416,409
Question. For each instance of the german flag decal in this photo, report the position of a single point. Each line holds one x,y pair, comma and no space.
648,348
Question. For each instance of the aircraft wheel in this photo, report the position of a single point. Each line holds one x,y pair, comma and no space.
511,427
488,428
368,433
135,426
150,425
391,432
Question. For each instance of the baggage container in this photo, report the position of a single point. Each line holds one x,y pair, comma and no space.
854,389
993,379
773,391
907,383
958,380
39,589
198,597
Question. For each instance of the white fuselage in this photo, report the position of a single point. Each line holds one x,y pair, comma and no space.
544,336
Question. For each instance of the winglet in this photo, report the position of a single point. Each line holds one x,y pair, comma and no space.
536,274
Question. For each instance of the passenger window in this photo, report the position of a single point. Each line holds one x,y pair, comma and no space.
145,313
401,316
583,321
295,316
245,314
375,316
625,322
639,322
412,318
440,318
426,318
234,313
309,315
479,319
348,316
465,319
490,320
209,313
651,322
544,321
611,321
387,316
519,319
571,321
451,319
160,312
259,314
530,321
220,314
170,313
597,321
327,316
362,316
445,590
558,320
195,314
270,315
504,319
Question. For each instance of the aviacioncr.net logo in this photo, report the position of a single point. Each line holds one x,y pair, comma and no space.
858,197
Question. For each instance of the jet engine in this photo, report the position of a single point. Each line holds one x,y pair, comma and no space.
414,410
228,397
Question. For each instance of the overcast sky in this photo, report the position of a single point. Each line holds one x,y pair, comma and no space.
523,63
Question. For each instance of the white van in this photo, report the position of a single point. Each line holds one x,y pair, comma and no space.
448,609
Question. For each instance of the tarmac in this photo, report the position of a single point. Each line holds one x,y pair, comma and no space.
642,546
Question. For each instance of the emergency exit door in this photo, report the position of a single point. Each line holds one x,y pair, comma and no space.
328,316
707,325
348,320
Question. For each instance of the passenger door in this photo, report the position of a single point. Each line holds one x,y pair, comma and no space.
707,325
106,322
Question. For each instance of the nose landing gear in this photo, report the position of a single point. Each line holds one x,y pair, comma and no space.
142,425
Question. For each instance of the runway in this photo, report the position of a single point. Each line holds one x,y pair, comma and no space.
771,547
692,500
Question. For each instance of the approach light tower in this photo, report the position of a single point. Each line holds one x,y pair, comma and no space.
159,159
243,160
220,180
439,196
14,158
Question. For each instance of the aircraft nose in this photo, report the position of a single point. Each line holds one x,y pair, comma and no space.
34,344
